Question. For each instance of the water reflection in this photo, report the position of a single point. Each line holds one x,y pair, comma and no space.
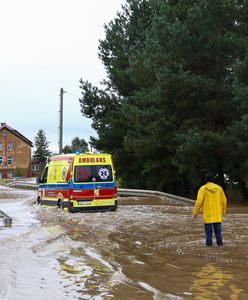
84,272
211,282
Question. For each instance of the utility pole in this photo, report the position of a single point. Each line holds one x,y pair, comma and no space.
61,121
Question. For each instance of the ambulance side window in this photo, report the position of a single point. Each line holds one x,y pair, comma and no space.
44,176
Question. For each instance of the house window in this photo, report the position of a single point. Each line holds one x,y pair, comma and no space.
1,160
10,146
35,168
9,174
1,147
9,160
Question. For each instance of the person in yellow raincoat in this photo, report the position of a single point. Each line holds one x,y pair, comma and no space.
212,199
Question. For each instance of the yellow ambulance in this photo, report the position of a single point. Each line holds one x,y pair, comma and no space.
79,182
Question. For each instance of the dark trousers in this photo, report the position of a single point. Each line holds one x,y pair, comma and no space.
209,232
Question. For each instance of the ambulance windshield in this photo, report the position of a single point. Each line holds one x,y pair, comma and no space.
97,173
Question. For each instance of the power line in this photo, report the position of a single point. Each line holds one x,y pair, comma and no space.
72,94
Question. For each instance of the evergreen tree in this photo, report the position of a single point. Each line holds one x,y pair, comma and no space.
77,144
42,152
175,100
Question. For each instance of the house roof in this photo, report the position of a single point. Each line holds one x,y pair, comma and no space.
16,133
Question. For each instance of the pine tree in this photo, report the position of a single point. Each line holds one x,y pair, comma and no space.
175,97
77,144
42,152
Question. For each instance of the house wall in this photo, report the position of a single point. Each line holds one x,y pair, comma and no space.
20,154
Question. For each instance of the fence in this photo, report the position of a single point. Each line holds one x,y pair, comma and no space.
121,192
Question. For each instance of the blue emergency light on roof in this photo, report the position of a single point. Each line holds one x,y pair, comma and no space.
78,152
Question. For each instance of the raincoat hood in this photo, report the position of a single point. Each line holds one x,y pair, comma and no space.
211,187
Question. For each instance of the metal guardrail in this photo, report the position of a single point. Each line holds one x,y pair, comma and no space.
150,193
121,192
6,219
22,185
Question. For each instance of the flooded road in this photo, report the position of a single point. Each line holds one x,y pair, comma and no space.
147,249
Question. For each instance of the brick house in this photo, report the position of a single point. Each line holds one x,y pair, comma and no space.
15,153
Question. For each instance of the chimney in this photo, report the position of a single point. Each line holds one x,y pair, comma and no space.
2,124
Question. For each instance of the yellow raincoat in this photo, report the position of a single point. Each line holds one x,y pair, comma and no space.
213,201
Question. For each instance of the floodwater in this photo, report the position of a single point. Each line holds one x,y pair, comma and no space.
147,249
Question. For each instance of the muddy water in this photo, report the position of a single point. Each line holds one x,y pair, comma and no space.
145,250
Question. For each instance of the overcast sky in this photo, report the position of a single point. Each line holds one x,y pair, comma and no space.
47,45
